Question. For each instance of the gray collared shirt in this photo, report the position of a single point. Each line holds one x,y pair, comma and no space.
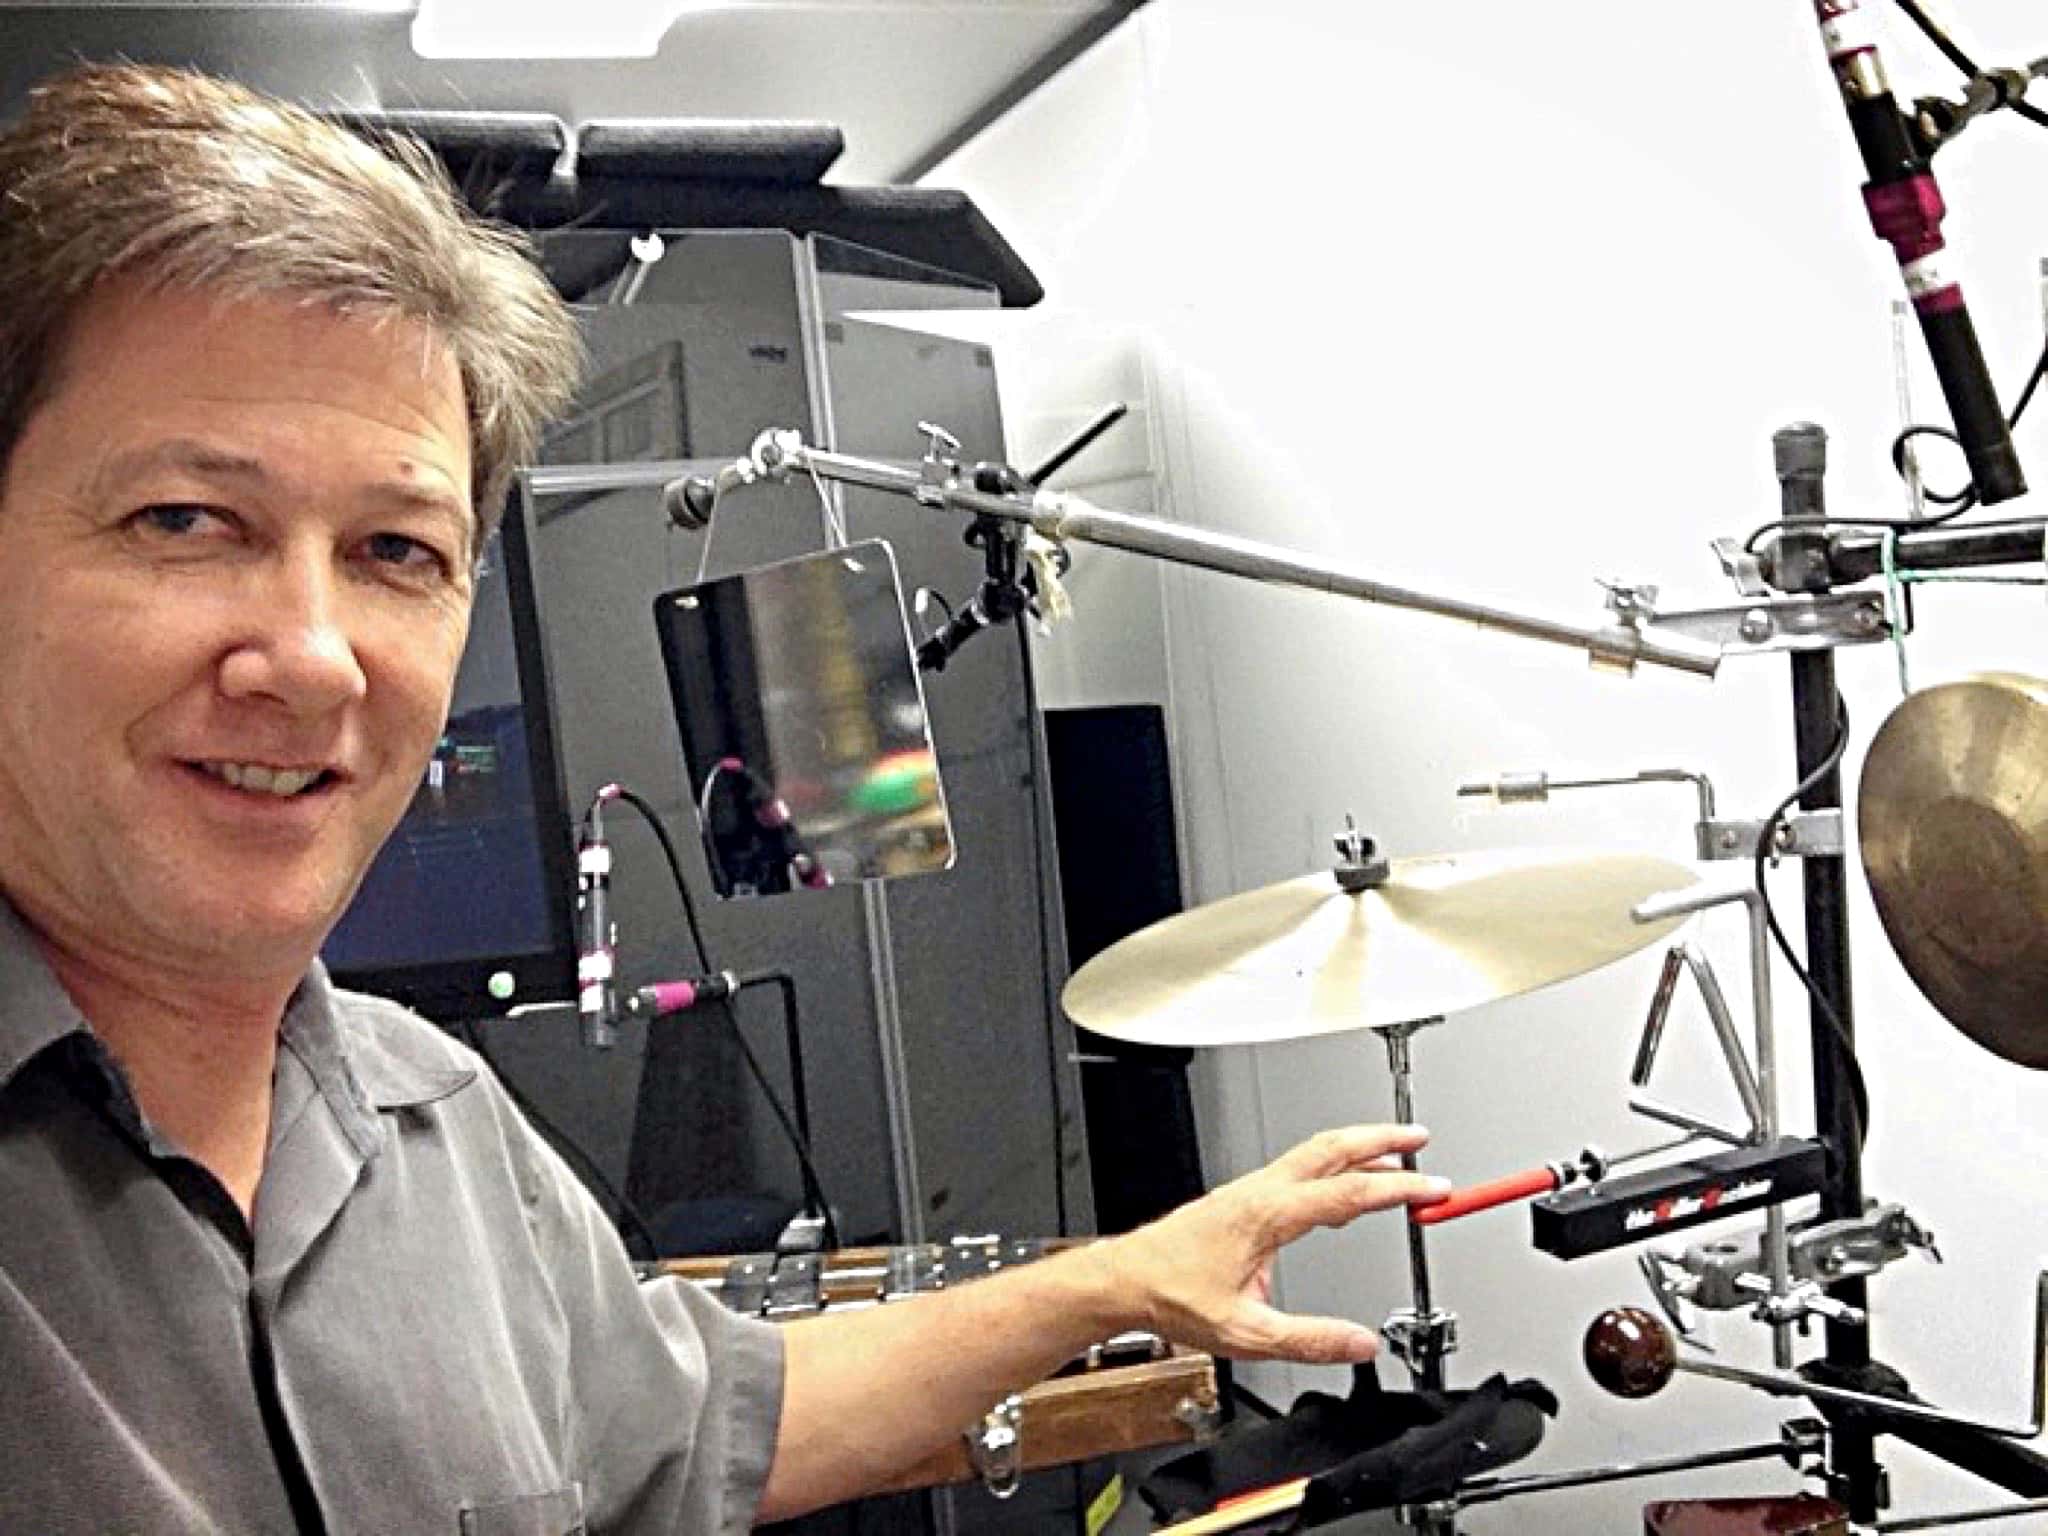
431,1326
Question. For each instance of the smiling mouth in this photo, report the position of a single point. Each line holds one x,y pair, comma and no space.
264,780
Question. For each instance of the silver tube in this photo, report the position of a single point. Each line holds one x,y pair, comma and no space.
1069,518
1777,1244
1400,1066
581,479
1615,645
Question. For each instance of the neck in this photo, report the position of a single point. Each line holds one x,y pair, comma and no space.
198,1052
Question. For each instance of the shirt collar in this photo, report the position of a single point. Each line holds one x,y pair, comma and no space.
35,1011
358,1067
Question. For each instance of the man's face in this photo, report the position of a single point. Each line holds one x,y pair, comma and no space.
235,550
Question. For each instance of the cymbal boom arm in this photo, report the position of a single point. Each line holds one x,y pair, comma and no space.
779,453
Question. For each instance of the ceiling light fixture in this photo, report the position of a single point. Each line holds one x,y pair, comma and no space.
546,29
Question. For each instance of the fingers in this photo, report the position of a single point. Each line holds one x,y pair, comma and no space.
1343,1197
1353,1146
1267,1334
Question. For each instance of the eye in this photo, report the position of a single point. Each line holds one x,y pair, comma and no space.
403,550
175,518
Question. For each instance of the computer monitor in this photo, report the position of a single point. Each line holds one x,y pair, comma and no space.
467,910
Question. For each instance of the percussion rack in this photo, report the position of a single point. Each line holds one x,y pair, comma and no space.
1802,599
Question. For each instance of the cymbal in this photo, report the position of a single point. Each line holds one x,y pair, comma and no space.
1306,958
1952,816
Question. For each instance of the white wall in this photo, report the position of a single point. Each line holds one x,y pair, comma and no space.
1497,298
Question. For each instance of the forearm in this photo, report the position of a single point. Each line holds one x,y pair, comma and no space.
869,1392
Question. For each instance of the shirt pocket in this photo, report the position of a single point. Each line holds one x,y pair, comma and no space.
534,1514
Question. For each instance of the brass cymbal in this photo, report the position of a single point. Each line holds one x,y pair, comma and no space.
1953,820
1305,958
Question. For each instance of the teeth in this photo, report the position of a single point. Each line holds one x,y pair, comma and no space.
269,781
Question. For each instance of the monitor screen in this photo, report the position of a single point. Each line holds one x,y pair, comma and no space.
466,911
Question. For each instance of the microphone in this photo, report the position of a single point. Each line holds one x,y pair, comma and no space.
597,993
1906,210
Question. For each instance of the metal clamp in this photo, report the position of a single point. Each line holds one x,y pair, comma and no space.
995,1447
1805,622
1723,1275
1799,835
1200,1419
1420,1337
1859,1245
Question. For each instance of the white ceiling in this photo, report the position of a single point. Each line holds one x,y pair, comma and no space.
903,79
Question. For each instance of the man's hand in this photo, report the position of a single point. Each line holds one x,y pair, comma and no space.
1199,1277
1202,1276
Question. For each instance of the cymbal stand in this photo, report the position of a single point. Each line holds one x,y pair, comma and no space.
1422,1335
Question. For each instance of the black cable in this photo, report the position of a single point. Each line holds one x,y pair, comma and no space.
813,1185
1958,502
785,985
1934,33
1845,1048
631,1224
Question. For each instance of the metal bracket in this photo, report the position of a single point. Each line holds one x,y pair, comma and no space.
1789,622
1201,1419
995,1447
1419,1337
1860,1245
1742,568
1802,622
1730,1272
1800,835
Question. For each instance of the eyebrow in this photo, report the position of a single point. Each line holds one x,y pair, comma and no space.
212,462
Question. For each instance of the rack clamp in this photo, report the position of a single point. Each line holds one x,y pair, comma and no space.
1419,1339
1724,1275
1797,835
995,1447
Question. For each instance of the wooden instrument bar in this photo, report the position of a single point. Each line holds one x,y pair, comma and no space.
1130,1393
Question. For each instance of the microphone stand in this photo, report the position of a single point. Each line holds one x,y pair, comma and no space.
667,997
1821,562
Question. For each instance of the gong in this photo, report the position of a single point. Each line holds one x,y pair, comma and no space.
1953,821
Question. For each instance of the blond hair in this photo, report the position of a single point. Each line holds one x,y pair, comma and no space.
180,181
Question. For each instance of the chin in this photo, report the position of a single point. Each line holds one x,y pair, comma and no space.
278,930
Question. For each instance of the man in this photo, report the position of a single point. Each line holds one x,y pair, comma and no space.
274,1256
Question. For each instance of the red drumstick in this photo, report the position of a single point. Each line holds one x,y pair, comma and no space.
1484,1197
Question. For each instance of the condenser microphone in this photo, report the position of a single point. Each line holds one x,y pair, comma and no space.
1906,210
597,993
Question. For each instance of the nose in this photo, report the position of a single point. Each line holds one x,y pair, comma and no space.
292,642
